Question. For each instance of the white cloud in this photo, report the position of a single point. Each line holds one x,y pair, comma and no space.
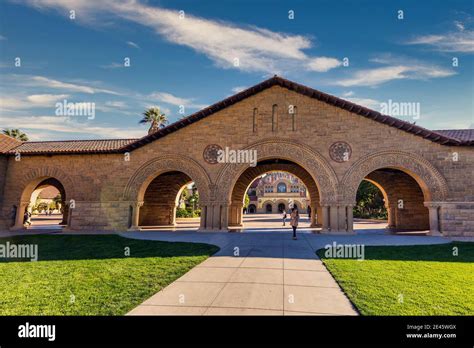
113,65
367,102
404,70
348,94
228,45
323,64
58,127
15,102
239,89
2,37
461,40
171,99
44,82
133,44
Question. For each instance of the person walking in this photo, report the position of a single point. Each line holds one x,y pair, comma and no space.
283,215
295,217
27,218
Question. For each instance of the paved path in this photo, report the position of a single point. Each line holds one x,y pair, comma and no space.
272,275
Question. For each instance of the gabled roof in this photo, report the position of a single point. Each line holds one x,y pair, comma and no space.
7,143
124,145
72,146
465,135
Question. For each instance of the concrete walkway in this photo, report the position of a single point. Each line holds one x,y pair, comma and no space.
260,273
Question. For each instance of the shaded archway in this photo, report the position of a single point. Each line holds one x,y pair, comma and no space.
275,206
407,180
169,169
161,199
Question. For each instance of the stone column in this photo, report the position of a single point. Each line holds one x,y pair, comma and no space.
342,217
172,214
20,212
319,215
433,209
333,218
202,222
235,218
136,215
392,211
325,217
350,218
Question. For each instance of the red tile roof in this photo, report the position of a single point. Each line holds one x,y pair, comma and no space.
7,143
465,135
444,137
71,146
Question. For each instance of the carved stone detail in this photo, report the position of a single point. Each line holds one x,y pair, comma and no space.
430,179
316,165
166,163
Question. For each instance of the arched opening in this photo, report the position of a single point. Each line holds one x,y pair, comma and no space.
276,184
171,199
392,199
252,209
43,205
281,207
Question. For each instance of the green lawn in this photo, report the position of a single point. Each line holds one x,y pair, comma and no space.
90,275
409,280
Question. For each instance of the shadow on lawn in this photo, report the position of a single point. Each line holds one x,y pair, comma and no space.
96,247
451,252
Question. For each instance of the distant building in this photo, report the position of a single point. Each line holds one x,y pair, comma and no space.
275,192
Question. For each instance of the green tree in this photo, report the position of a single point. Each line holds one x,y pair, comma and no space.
155,117
370,202
246,201
16,133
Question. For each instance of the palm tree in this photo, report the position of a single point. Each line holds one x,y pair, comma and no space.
154,116
16,133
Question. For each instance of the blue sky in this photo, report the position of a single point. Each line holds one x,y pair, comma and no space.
190,60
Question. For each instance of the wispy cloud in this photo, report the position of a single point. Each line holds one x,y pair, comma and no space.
59,127
12,102
171,99
228,45
113,65
461,40
394,69
238,89
132,44
45,82
323,64
2,37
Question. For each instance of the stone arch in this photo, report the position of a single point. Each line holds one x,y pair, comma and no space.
137,185
314,163
430,180
30,181
143,176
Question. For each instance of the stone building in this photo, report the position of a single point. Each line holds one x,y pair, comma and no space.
329,143
276,192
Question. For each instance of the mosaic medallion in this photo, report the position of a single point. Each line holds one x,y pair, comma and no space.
210,153
340,151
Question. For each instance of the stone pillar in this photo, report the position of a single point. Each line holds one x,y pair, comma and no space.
172,214
392,211
333,218
20,212
236,218
325,217
313,220
342,217
319,215
224,217
350,218
202,222
433,209
136,215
